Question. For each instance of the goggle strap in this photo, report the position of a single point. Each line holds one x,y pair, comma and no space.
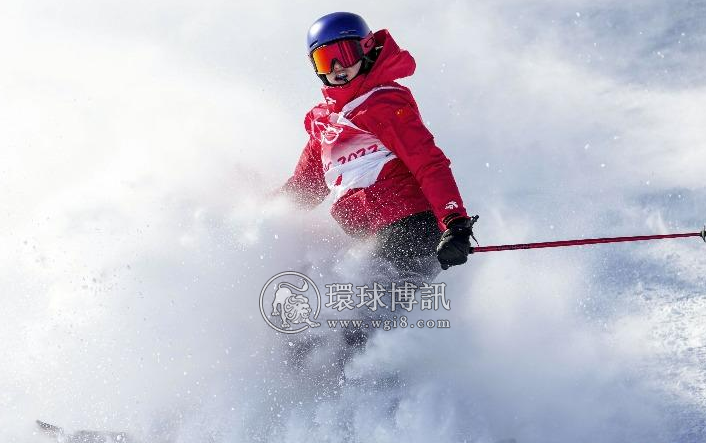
367,43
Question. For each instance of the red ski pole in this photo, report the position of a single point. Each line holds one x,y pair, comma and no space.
586,241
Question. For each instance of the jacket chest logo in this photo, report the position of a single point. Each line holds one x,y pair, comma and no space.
329,133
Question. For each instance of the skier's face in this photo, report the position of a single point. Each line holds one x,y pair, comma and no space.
341,75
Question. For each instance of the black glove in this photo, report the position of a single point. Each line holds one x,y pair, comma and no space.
455,244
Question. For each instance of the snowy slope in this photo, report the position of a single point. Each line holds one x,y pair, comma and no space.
137,145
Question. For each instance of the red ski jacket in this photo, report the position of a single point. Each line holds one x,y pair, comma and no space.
369,147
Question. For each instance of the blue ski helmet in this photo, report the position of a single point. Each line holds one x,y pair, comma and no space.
339,26
336,26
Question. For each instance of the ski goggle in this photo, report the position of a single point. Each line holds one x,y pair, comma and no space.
346,52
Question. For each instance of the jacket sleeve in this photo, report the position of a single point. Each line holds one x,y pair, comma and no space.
307,186
399,126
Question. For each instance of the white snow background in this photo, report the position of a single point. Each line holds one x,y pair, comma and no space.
138,140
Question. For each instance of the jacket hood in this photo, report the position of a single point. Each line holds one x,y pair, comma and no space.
391,64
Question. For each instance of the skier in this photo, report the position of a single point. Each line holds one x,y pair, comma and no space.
369,147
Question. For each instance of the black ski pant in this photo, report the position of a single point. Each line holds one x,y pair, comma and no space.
409,246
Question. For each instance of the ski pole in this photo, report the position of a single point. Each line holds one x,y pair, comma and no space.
586,241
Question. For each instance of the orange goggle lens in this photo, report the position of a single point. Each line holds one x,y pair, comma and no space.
346,52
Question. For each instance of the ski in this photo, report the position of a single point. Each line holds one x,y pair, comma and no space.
83,436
